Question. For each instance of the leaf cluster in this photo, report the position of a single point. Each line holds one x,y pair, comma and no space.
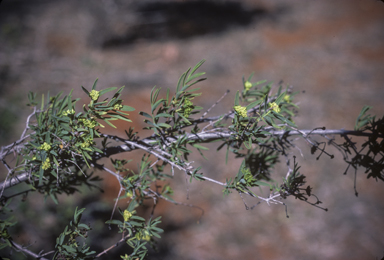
137,231
68,245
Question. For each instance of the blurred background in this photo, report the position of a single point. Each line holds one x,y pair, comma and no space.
330,51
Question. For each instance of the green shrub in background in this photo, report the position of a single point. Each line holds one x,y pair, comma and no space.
60,147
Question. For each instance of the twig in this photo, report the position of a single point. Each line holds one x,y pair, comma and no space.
209,109
113,246
29,252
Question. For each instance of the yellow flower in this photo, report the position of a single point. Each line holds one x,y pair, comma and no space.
94,94
145,236
84,145
129,194
89,123
187,108
117,107
46,165
68,112
247,85
275,107
125,257
242,111
45,147
287,98
127,215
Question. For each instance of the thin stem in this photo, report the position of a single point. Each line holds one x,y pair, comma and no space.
113,246
29,252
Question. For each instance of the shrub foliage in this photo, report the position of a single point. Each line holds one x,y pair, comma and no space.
60,147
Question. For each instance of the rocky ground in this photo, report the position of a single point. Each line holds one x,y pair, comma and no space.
331,50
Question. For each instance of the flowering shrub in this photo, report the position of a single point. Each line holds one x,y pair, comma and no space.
60,147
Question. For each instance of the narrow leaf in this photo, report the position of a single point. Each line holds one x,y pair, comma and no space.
94,84
102,92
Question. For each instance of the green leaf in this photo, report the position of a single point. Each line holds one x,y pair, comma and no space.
138,218
164,125
197,81
55,161
86,91
167,98
119,92
53,197
250,77
114,222
362,121
200,147
102,92
280,117
63,103
163,115
255,103
181,81
154,94
265,103
42,102
198,65
109,123
261,183
145,114
86,156
281,96
94,84
237,98
61,238
259,82
69,249
127,108
155,105
77,215
185,119
248,144
149,122
184,88
84,226
115,117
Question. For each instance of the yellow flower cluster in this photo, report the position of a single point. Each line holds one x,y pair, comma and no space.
127,215
187,108
248,177
89,123
275,107
145,236
287,98
68,112
85,144
247,85
129,194
45,147
46,164
125,257
242,111
117,107
94,94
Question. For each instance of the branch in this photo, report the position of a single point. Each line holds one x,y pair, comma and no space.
29,252
14,180
113,246
213,136
147,143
